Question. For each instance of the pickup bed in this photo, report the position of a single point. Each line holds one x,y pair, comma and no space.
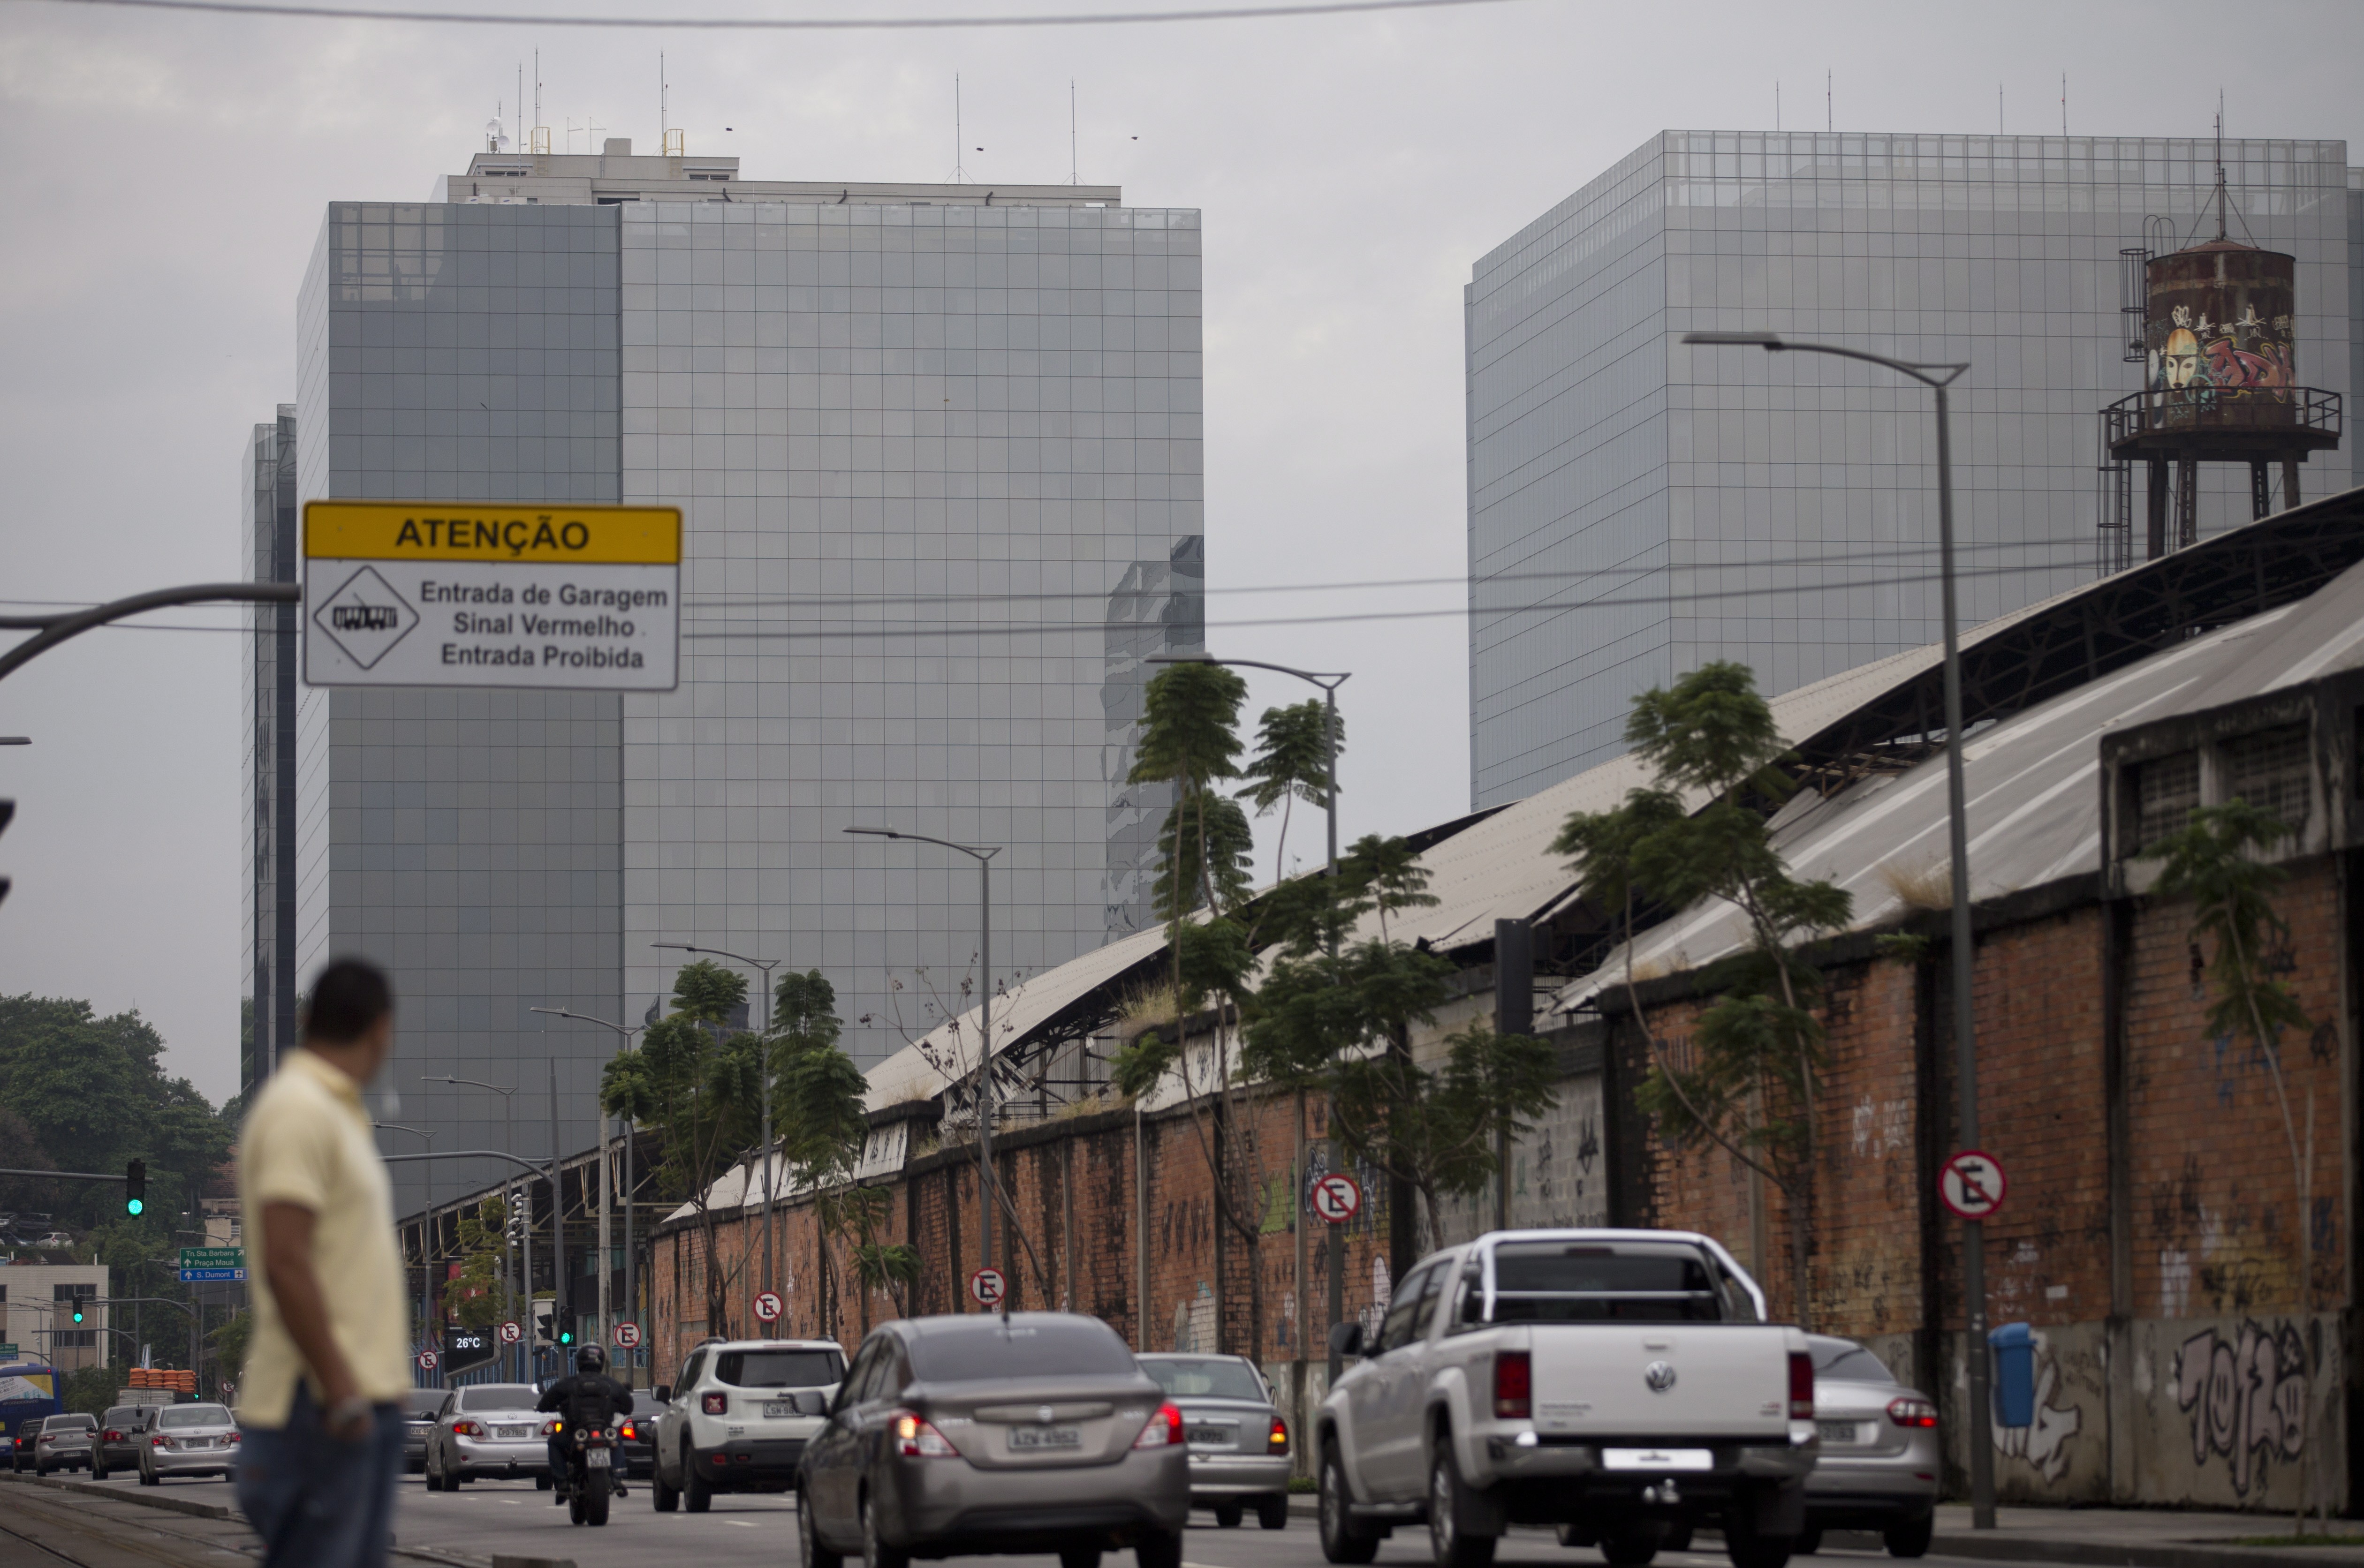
1622,1385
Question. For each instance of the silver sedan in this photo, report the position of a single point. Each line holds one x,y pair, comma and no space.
1238,1441
1879,1455
188,1439
488,1429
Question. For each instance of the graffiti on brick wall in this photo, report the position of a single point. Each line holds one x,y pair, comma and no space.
2044,1443
2246,1397
1194,1322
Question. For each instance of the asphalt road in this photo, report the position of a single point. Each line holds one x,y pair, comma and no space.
48,1526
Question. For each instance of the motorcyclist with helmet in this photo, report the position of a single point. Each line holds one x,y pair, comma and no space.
589,1398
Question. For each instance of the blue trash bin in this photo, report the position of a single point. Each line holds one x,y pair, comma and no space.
2012,1347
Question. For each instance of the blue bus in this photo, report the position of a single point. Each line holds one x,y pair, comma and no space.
29,1391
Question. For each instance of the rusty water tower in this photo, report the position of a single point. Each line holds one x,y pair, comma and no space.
2219,349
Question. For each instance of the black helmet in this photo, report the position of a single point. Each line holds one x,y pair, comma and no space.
590,1358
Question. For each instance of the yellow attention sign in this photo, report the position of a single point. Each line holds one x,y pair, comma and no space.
463,531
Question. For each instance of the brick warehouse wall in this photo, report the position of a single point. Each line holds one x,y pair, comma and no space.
2212,1357
2211,1352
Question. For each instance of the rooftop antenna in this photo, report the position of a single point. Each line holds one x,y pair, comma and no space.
959,174
1776,103
662,121
540,144
1830,104
2064,103
2220,162
1073,164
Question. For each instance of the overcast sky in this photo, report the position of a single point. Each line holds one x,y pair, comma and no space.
165,176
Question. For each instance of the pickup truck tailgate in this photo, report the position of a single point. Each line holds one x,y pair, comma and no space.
1693,1380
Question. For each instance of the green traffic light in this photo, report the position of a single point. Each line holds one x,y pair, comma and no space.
77,1312
135,1206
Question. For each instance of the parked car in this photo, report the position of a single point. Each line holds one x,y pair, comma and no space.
636,1438
1238,1442
1034,1432
189,1440
419,1409
1620,1385
1880,1465
488,1429
740,1417
65,1443
122,1432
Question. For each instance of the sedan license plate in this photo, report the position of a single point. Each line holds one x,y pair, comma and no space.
511,1434
1030,1438
1662,1459
1835,1431
600,1458
1215,1437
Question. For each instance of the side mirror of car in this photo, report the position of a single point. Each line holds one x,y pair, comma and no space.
663,1392
1346,1338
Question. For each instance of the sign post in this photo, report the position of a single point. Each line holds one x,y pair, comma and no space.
427,1359
471,593
767,1306
1971,1183
510,1333
628,1336
988,1288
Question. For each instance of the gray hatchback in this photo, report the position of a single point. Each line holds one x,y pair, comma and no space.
1032,1432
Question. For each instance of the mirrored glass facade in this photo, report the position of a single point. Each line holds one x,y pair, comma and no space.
940,468
266,473
1638,507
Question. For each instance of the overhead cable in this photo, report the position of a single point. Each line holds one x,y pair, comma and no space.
787,24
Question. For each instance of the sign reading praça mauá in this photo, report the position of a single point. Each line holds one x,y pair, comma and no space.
472,593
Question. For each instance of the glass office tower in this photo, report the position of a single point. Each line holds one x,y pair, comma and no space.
266,463
1638,507
939,467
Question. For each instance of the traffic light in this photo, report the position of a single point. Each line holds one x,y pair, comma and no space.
566,1328
544,1318
135,1188
77,1306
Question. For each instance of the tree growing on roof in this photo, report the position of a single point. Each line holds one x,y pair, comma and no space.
2212,860
1751,1080
1291,763
699,1083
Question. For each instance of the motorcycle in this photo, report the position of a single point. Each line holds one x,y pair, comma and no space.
591,1480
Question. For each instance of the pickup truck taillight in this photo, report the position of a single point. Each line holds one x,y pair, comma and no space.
1801,1386
714,1404
1913,1412
1514,1383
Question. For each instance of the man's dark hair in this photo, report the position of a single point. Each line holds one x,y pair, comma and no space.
348,999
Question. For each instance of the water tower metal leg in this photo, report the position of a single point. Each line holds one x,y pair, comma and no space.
2261,488
2155,500
2187,503
2290,483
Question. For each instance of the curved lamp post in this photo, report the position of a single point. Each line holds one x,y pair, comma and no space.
1937,378
631,1269
771,1279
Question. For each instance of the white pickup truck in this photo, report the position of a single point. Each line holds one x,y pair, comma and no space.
1620,1385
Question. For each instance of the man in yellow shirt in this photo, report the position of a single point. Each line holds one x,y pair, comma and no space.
328,1361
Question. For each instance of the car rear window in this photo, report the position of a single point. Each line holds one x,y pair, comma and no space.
195,1415
72,1424
1853,1364
423,1402
778,1369
1215,1377
971,1351
1589,1282
498,1396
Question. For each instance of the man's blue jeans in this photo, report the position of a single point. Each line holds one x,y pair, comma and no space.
318,1502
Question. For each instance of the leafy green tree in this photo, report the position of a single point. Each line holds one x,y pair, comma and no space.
822,1123
1291,763
2215,861
698,1084
1438,1131
1699,831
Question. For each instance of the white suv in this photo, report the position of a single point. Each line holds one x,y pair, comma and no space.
739,1417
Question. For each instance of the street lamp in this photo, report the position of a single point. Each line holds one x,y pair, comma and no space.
771,1279
987,1192
631,1272
426,1232
1329,683
524,1269
1937,378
